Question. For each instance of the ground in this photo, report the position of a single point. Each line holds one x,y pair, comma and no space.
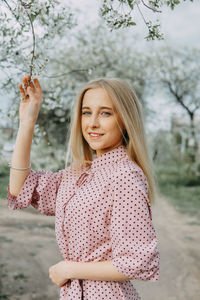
179,244
28,248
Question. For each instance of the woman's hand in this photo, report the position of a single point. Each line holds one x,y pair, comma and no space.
60,273
30,106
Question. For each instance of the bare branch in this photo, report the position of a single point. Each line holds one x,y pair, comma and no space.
73,71
12,12
179,98
67,73
33,51
159,11
25,5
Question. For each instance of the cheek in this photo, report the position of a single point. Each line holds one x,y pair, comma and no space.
110,124
83,123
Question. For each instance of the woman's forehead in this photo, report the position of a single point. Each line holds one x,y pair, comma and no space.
97,97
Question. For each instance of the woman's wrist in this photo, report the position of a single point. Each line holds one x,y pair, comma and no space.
26,125
71,269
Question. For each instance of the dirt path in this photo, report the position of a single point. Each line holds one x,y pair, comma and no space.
179,245
28,248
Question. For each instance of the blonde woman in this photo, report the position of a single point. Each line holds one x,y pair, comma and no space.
101,199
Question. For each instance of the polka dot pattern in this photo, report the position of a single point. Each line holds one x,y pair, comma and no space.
102,213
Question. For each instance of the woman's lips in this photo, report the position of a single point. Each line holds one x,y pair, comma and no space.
95,137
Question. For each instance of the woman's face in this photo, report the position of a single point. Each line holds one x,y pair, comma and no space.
98,116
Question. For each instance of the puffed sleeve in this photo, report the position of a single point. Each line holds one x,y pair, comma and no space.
39,190
134,243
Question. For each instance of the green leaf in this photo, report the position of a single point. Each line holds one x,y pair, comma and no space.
32,17
130,3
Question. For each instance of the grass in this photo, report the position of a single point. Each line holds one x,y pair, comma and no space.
185,199
4,180
20,276
180,189
4,239
4,296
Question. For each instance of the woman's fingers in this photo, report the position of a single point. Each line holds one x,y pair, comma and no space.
23,95
26,78
37,84
31,85
28,85
27,82
21,90
30,88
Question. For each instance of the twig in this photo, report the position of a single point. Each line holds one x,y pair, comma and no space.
72,71
10,8
142,16
33,51
63,74
25,5
159,11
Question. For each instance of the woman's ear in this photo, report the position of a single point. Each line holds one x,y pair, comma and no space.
124,131
123,128
125,136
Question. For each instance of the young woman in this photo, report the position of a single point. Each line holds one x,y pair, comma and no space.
101,199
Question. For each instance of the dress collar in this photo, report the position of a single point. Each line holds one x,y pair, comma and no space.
108,158
103,161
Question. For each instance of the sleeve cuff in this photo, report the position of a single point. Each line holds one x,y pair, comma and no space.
23,199
152,274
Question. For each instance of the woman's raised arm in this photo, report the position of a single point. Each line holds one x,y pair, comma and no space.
28,113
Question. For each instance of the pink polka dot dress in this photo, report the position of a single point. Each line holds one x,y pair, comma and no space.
102,213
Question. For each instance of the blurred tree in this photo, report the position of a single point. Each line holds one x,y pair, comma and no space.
178,72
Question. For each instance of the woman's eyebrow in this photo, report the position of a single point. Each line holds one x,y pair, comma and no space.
102,107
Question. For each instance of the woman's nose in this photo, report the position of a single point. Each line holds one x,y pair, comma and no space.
94,120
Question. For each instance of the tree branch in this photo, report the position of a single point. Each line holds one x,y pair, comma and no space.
63,74
33,51
26,6
178,97
10,8
159,11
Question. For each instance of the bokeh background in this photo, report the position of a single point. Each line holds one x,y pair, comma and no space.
73,45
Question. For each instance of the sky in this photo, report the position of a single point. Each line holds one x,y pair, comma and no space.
180,27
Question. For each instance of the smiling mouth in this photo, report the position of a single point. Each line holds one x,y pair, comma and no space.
95,136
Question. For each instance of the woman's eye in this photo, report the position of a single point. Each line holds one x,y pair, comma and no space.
105,112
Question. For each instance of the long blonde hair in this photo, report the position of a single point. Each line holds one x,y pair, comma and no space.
124,99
